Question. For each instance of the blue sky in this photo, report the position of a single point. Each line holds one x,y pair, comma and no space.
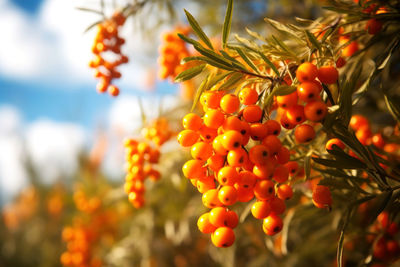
66,98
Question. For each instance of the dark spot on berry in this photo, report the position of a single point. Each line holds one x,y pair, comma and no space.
308,139
236,144
270,190
241,160
298,119
319,111
277,229
311,95
245,186
275,132
208,136
224,180
243,132
265,154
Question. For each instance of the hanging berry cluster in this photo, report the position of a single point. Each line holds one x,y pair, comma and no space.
83,238
305,103
172,51
227,167
140,158
158,131
108,43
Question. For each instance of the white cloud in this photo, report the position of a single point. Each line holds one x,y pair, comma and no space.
54,147
51,45
13,176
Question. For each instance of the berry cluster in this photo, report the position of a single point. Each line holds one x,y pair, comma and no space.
236,156
385,247
140,157
86,204
172,51
107,40
293,113
158,131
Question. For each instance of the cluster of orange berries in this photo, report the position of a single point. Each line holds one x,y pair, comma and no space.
308,92
85,204
158,131
172,51
108,40
140,157
385,247
237,156
79,242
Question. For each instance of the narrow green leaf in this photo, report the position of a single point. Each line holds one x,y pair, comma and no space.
392,107
281,44
339,164
339,256
336,183
90,10
187,59
199,91
313,40
285,90
307,167
197,30
246,59
232,80
188,40
92,25
227,56
213,56
190,73
269,63
227,23
217,78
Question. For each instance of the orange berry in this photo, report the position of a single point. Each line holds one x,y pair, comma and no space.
357,121
252,113
264,189
295,115
215,162
192,121
350,49
277,205
231,140
227,195
308,91
204,225
207,134
232,219
193,169
113,90
292,167
187,138
218,147
201,151
258,131
232,123
322,197
259,154
248,96
272,143
218,216
246,179
210,199
306,72
260,209
245,194
315,111
304,133
334,141
373,26
328,74
378,141
101,87
213,118
229,103
287,101
237,157
223,237
283,155
274,128
205,185
284,192
340,62
264,171
281,174
272,224
227,175
211,99
285,122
